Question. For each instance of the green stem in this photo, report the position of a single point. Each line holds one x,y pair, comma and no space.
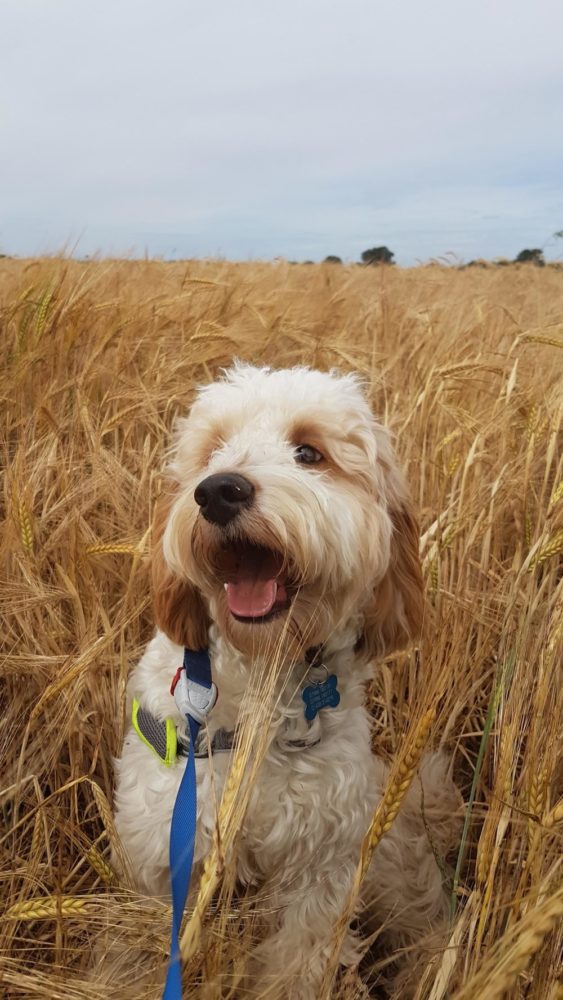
505,676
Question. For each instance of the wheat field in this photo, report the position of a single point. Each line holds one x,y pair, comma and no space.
466,367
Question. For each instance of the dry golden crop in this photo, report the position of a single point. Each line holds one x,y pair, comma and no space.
466,367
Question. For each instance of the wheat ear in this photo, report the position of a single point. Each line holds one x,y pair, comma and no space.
383,818
46,906
512,954
212,865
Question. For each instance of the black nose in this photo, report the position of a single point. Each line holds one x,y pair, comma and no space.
222,497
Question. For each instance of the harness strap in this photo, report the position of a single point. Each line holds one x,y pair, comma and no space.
197,672
222,741
167,744
160,737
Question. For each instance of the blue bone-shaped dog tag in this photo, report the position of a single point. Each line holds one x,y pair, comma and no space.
318,696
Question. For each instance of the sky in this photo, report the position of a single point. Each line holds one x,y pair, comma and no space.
260,128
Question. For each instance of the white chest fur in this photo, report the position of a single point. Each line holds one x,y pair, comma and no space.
304,799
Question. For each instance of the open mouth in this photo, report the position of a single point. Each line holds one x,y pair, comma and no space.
256,587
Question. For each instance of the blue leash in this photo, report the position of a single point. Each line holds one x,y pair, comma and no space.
195,695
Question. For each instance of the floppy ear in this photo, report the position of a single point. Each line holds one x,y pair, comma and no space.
179,610
394,614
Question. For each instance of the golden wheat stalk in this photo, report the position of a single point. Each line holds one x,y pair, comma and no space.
434,573
26,526
532,422
555,628
43,309
253,741
390,804
533,338
484,853
452,436
510,957
100,865
57,686
383,818
445,970
109,549
552,547
46,906
213,863
106,814
528,531
556,496
488,879
537,797
39,838
553,817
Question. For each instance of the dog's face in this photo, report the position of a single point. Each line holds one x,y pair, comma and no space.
286,515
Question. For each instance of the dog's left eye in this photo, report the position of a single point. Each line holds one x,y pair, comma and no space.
307,455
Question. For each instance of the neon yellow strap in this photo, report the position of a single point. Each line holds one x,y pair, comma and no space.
168,733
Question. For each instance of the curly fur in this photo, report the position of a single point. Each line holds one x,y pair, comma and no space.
349,541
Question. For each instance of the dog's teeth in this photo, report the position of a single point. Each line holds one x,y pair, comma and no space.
225,585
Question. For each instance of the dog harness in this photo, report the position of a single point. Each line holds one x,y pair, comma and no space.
167,744
195,695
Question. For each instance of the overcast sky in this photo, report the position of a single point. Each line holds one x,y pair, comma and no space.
296,128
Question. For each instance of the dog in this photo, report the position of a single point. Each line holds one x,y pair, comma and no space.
285,535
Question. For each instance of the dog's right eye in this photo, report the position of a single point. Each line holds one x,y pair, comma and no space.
305,454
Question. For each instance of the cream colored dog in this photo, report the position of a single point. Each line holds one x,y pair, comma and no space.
286,535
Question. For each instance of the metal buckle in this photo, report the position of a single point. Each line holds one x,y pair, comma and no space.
194,699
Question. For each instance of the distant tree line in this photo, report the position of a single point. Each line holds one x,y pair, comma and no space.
376,256
383,255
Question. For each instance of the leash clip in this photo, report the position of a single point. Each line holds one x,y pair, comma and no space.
191,698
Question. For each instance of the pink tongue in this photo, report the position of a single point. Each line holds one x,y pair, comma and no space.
251,597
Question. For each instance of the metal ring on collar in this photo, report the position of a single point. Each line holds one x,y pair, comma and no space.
319,666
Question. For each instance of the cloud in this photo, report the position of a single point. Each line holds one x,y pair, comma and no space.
296,129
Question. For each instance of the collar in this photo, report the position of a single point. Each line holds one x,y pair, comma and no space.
195,694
